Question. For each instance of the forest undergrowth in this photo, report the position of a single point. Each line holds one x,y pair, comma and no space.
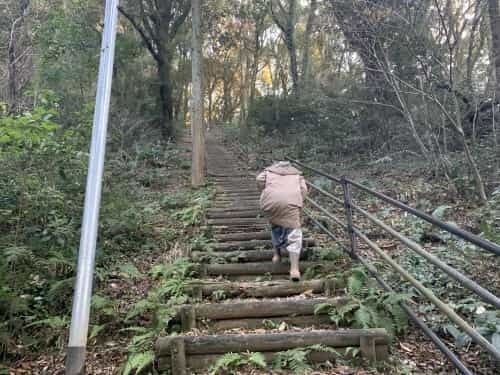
148,218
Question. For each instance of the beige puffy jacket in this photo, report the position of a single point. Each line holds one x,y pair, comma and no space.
283,191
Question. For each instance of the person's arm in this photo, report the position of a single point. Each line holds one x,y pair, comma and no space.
261,181
303,187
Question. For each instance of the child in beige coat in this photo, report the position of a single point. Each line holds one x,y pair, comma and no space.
283,191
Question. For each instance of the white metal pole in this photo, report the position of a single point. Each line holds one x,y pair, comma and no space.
75,360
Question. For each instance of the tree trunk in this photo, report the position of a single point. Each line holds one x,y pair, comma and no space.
197,129
226,88
166,109
255,65
494,13
292,50
307,39
243,92
12,85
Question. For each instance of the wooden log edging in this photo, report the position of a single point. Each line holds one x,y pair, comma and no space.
255,309
253,244
243,236
234,214
240,256
236,221
234,269
310,321
203,361
280,288
373,343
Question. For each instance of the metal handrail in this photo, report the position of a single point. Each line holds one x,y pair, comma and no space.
325,193
450,271
445,309
328,214
468,236
321,173
411,314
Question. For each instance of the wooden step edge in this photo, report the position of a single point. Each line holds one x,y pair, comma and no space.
246,256
197,362
235,214
253,244
225,222
189,314
263,289
243,236
259,268
373,344
301,321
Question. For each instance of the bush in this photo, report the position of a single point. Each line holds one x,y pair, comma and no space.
42,182
319,124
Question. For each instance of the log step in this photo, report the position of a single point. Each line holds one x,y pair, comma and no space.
238,256
242,221
236,207
236,190
252,244
258,269
197,362
261,289
191,314
302,321
181,350
243,236
259,309
234,214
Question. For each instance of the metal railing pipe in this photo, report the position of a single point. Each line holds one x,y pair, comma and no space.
328,214
450,271
325,193
445,309
330,177
472,238
411,314
327,231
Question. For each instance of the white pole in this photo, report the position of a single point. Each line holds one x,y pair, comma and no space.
75,359
197,128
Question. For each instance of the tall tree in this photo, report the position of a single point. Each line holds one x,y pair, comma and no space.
158,22
307,41
494,13
286,19
197,128
14,52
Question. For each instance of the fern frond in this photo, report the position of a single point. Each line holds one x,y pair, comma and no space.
322,308
137,362
226,362
257,360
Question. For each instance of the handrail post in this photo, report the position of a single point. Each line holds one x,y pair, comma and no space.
348,213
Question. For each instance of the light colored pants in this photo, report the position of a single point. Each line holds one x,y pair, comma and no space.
287,238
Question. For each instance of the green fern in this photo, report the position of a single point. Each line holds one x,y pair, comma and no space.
137,362
257,360
130,271
230,362
227,362
368,307
293,359
15,256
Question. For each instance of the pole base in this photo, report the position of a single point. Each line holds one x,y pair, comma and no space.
75,360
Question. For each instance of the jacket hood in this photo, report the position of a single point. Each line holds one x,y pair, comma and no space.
283,168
